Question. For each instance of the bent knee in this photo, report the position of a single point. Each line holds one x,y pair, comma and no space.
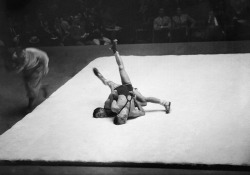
143,101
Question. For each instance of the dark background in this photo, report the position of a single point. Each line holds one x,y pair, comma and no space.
135,17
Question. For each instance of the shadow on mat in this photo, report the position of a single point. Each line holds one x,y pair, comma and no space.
155,110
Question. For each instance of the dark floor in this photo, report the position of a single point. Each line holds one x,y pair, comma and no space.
65,62
86,170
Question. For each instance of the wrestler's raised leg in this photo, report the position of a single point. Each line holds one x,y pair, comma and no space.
105,81
123,74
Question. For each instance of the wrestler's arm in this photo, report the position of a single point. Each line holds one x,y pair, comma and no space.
19,68
44,59
114,106
108,102
112,98
137,112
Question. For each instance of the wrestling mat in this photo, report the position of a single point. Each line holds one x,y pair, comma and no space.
209,122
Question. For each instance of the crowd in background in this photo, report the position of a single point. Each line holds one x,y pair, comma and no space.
96,22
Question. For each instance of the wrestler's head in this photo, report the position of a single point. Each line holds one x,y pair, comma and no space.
11,61
18,58
99,113
120,120
122,117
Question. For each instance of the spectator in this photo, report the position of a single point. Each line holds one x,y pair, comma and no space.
77,34
39,32
108,18
240,9
146,13
162,25
143,10
214,30
40,22
59,32
34,41
28,30
95,30
239,17
182,25
109,23
45,33
65,25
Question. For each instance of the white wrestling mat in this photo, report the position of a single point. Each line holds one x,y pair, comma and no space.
209,122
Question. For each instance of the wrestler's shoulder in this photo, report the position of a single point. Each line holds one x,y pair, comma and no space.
33,49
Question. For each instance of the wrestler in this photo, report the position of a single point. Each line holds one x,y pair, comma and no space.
33,64
125,102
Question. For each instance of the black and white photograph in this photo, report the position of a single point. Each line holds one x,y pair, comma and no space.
124,87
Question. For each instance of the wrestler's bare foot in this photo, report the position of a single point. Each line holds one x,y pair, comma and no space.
99,75
96,72
114,45
167,107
